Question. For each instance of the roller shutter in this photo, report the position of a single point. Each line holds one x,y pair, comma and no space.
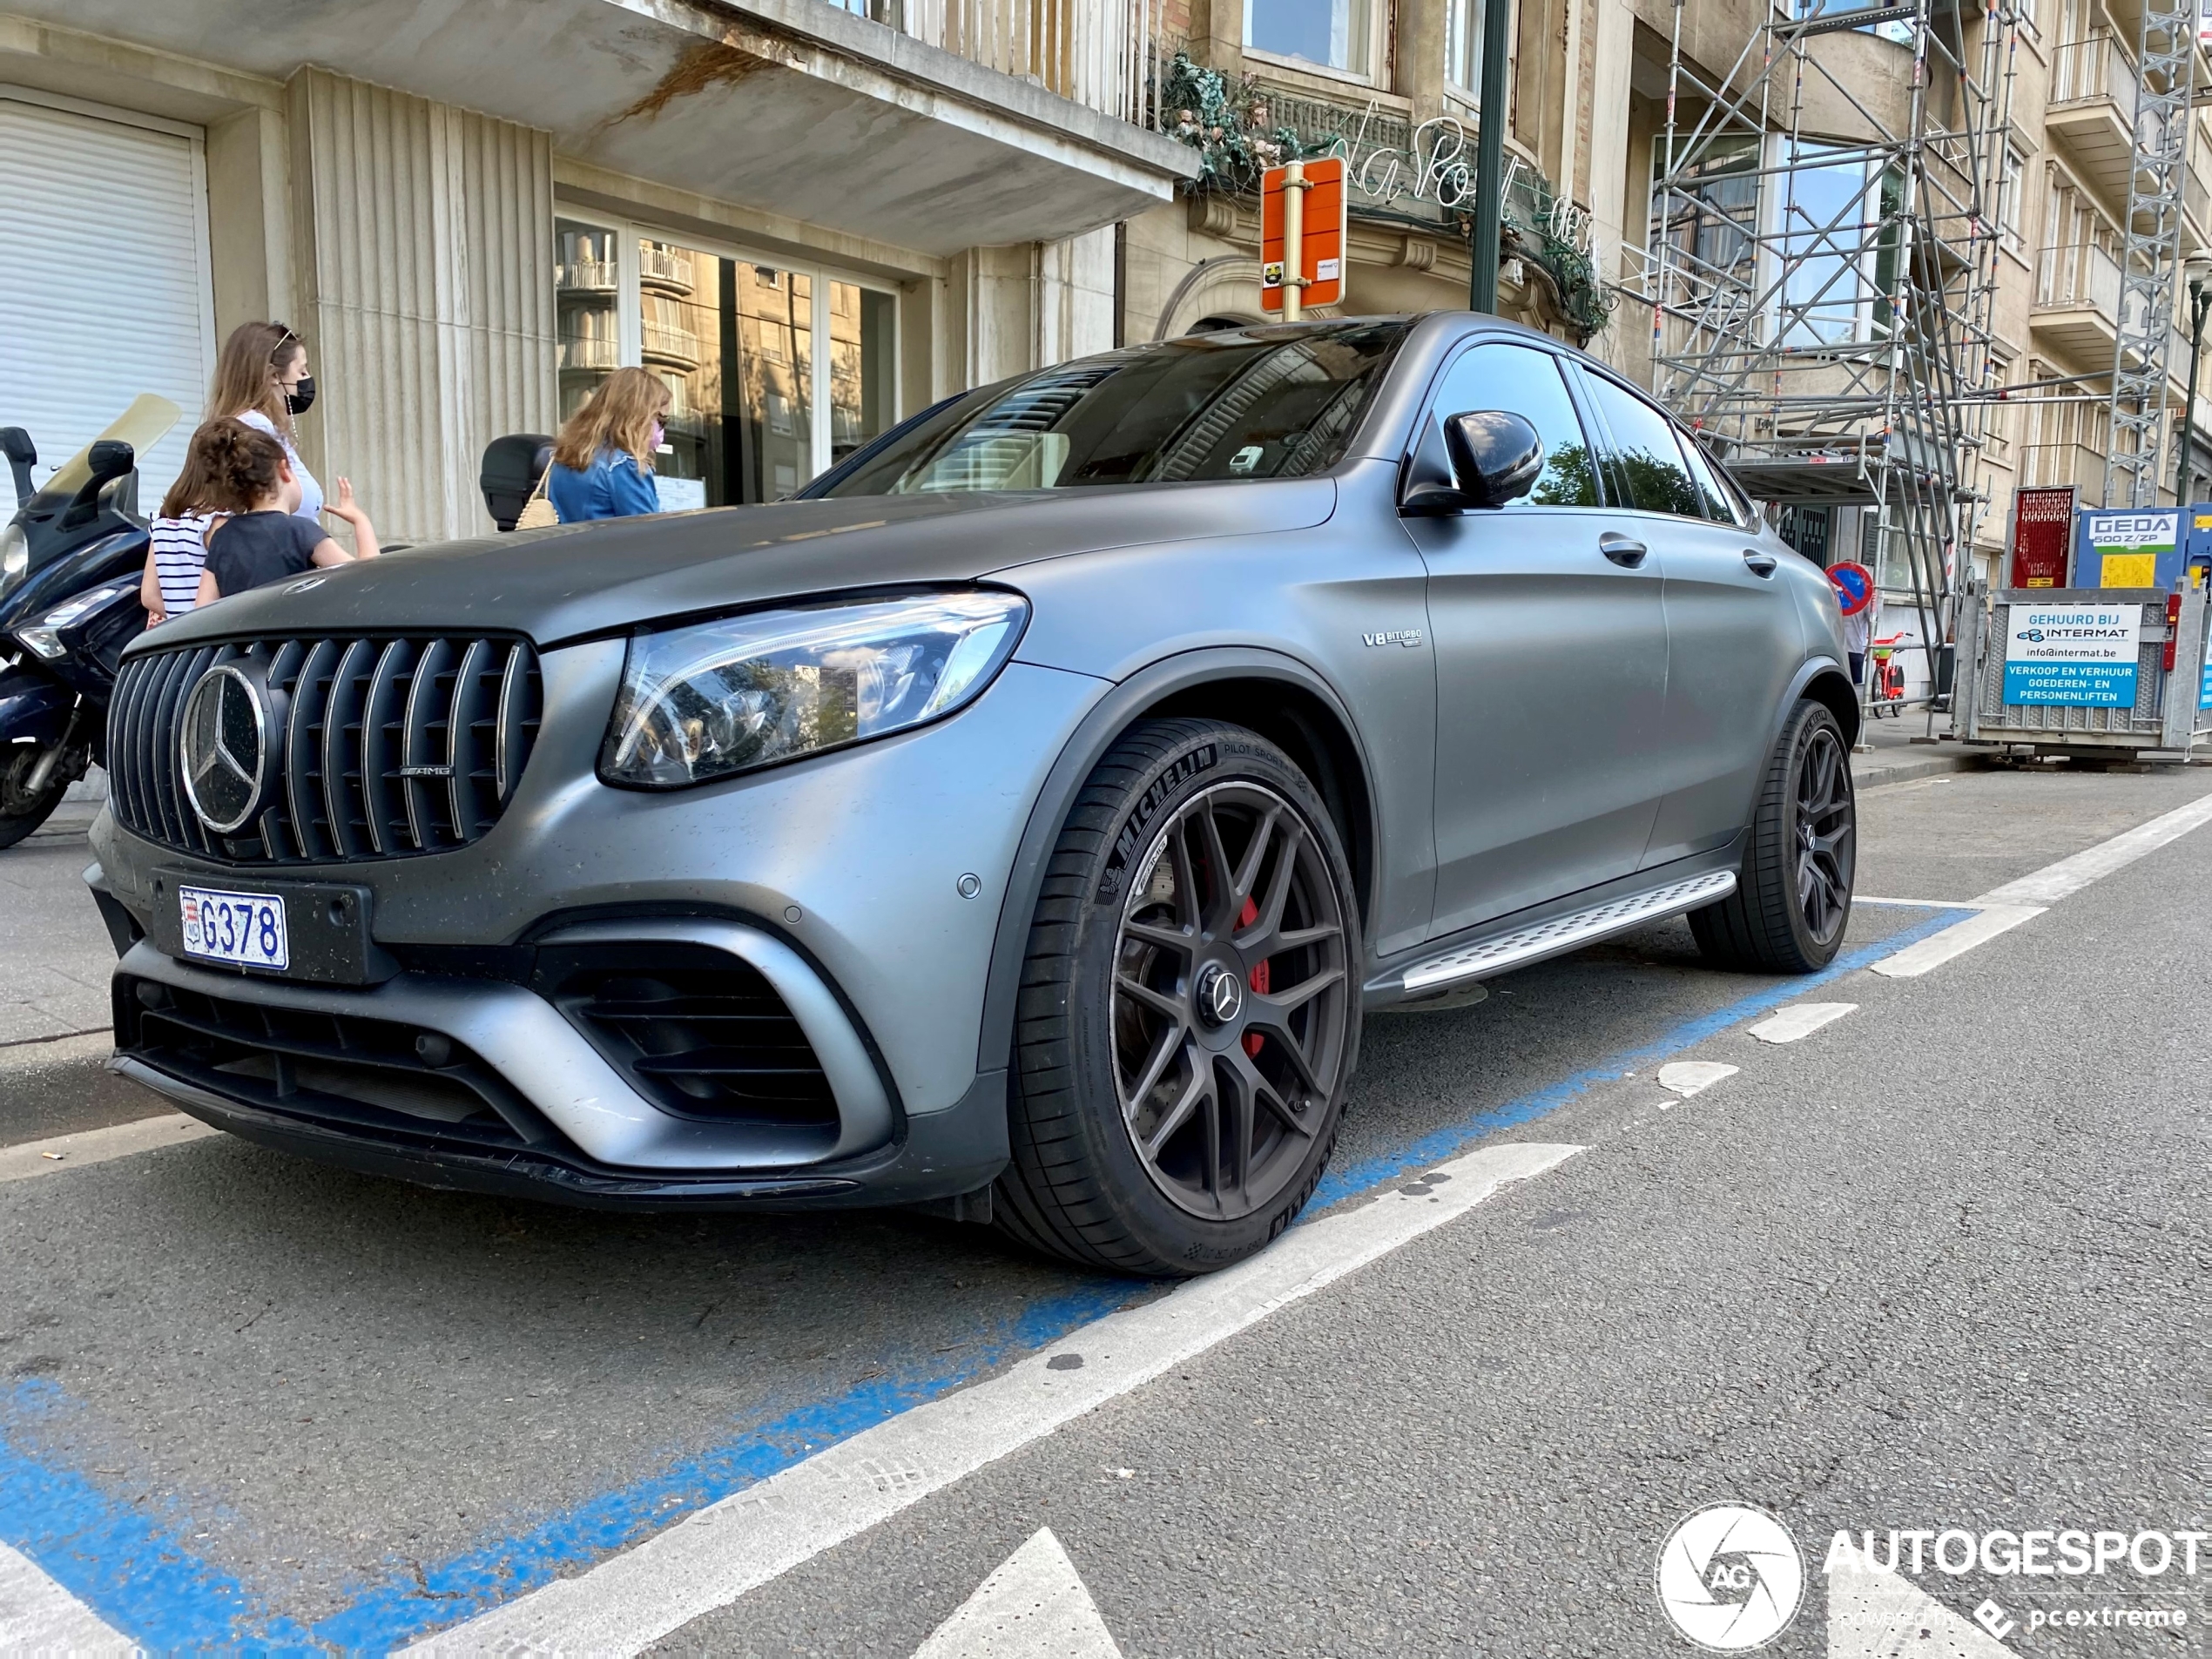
103,287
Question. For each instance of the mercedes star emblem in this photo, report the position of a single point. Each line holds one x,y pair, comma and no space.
225,748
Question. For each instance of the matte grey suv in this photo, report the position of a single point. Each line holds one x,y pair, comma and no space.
1018,823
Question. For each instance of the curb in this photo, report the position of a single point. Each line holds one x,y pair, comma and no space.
1883,771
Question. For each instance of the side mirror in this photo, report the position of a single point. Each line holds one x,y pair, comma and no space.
1495,457
1483,459
110,458
22,455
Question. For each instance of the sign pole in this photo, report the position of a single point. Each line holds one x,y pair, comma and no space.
1486,245
1294,188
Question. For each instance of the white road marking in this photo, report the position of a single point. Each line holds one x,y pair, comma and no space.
2056,881
39,1616
1801,1020
1035,1607
99,1145
1876,1614
1686,1077
1920,904
1956,940
711,1558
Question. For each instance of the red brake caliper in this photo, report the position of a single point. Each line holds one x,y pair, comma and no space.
1259,980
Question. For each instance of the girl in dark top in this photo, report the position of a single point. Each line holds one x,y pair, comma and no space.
265,539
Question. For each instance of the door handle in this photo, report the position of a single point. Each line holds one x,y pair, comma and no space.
1757,562
1624,551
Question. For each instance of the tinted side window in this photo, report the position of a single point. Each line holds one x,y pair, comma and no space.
1720,505
1646,458
1526,382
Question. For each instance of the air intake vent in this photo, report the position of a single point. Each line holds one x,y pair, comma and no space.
699,1032
386,747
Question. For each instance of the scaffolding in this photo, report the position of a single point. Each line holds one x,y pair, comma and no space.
2150,247
1823,271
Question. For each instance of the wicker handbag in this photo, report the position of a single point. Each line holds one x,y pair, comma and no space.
537,512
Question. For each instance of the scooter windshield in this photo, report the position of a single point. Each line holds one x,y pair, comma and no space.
141,426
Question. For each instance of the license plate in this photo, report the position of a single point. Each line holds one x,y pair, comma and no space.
246,929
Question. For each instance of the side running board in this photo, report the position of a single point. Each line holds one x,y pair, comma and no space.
1569,932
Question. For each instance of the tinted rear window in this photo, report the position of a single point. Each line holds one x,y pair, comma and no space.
1265,404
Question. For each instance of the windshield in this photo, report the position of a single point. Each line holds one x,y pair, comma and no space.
141,426
1259,403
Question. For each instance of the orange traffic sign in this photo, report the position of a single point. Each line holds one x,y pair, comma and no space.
1321,246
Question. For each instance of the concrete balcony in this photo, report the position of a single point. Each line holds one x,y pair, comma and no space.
581,351
2077,303
2091,112
969,123
587,276
665,268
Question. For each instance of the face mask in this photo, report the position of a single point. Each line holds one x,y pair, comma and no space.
301,397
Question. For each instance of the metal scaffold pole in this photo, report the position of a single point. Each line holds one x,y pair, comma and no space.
1825,224
2150,247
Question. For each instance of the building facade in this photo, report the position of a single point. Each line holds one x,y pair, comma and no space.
810,221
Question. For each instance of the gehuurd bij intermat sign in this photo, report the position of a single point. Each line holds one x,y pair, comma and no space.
2083,655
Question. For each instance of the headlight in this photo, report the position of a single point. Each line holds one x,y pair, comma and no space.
718,698
15,558
44,636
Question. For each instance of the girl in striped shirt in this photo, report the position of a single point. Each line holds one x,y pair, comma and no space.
180,550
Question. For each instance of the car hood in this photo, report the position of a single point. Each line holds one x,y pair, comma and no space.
577,580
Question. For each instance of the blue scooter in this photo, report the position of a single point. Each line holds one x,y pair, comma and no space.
71,562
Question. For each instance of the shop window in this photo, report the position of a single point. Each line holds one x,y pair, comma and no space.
587,298
755,409
1333,34
864,375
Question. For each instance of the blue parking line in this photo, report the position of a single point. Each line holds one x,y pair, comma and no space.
138,1576
1369,1173
133,1571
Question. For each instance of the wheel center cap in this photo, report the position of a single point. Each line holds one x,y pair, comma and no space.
1220,995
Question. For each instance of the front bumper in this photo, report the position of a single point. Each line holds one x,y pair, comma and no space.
863,889
480,1085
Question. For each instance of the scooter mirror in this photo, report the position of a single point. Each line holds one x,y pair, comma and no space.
110,458
22,455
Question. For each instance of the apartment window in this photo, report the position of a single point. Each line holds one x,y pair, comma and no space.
1328,34
2009,205
756,405
1463,46
1997,436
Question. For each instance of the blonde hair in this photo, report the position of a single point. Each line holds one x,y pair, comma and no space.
618,414
247,371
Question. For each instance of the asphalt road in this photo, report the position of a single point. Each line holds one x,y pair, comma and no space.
1940,1264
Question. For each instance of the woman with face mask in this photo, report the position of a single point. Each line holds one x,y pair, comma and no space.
262,379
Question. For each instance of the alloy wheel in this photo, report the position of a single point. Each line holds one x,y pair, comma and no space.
1825,835
1232,1001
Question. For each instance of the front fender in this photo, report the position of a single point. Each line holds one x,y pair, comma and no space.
1111,715
34,705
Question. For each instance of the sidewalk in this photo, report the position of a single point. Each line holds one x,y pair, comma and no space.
55,956
1896,758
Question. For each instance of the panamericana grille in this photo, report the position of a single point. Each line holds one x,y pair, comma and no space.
385,746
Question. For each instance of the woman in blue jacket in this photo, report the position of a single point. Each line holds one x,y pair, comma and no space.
603,460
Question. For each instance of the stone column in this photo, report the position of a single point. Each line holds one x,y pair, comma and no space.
1422,26
424,264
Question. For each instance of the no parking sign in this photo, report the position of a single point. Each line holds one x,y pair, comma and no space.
1854,585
